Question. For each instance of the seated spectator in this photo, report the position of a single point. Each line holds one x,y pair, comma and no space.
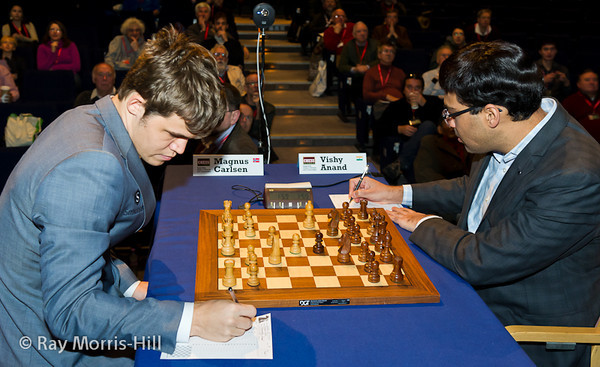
432,77
246,117
145,10
441,156
382,84
556,76
335,37
392,32
229,137
313,32
6,80
202,30
57,51
21,30
228,74
482,31
103,77
11,60
584,105
357,57
221,36
219,6
457,39
124,49
404,123
258,129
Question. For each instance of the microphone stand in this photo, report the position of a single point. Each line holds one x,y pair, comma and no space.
263,146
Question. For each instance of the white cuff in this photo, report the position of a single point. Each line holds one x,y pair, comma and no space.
185,325
424,219
407,196
131,289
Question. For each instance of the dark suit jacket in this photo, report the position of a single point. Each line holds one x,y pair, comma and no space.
535,258
238,142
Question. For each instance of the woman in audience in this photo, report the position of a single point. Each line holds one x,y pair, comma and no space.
125,49
57,51
23,31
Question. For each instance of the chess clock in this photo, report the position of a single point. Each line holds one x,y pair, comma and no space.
287,197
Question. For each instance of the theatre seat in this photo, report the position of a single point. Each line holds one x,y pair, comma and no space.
560,335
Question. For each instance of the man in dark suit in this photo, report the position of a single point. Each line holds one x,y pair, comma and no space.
528,234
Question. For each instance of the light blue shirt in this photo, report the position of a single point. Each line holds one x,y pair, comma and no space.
497,167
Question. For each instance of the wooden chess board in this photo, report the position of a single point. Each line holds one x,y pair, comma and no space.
307,279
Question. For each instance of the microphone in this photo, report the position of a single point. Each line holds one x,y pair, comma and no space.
263,15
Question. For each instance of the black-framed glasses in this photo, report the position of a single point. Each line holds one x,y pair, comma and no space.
450,116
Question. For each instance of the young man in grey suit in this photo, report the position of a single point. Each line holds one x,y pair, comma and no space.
79,190
528,234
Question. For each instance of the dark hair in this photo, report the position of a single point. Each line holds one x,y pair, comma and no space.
494,72
177,76
65,40
233,97
414,76
220,15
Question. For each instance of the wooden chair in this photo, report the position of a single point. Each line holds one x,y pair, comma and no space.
560,334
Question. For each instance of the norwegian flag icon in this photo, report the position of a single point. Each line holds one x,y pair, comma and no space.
255,160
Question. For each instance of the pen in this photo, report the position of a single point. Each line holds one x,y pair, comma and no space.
360,181
232,293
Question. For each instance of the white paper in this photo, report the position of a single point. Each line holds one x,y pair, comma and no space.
338,199
256,343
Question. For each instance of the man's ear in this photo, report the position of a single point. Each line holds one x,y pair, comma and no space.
136,105
235,116
492,114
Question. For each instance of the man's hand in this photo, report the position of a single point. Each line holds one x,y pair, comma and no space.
221,320
373,190
389,97
406,130
406,218
140,291
361,68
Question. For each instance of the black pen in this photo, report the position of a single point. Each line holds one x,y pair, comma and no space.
232,293
360,181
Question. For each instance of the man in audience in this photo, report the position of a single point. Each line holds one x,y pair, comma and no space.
228,73
528,234
229,137
313,32
246,117
482,31
103,77
259,130
584,105
456,40
556,76
335,37
77,192
432,77
392,32
356,58
221,36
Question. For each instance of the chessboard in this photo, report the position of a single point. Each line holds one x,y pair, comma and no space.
307,278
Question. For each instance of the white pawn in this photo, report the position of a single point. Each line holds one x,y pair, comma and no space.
229,279
309,222
272,231
228,248
250,251
250,227
295,249
275,257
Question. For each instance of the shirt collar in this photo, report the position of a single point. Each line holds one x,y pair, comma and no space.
95,93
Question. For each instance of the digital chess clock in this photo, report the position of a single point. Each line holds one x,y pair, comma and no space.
286,196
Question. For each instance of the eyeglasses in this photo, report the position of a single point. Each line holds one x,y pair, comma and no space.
217,54
451,116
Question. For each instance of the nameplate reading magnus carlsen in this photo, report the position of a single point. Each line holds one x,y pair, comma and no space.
228,165
331,163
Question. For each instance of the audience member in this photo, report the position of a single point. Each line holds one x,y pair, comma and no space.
258,129
404,123
80,190
528,234
338,33
482,31
145,10
228,73
456,40
383,83
584,105
24,32
441,156
357,56
311,33
103,77
246,117
15,63
124,49
221,36
432,77
392,32
202,30
56,51
219,6
556,76
6,80
229,137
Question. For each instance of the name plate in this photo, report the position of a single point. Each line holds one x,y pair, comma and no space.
331,163
228,165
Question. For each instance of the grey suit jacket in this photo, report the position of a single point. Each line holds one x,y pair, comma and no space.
79,190
535,258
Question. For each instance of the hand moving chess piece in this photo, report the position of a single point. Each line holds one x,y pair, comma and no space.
374,276
275,256
295,249
396,275
344,250
229,278
309,222
318,248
